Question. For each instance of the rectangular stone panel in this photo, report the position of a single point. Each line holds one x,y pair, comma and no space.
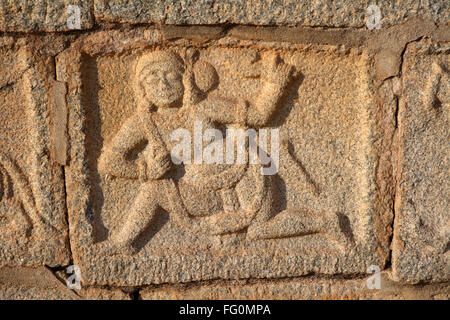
33,230
422,231
137,217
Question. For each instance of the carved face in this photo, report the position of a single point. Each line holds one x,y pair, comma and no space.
162,83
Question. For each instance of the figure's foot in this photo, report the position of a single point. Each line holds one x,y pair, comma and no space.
283,225
334,229
253,232
111,248
286,224
262,231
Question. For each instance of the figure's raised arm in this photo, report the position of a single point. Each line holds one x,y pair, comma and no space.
253,112
274,79
113,159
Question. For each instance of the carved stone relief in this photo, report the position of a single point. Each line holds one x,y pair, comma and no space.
422,237
32,218
147,217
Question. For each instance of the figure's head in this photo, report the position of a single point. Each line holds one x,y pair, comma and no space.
159,79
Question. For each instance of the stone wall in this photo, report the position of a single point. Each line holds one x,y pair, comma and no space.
119,177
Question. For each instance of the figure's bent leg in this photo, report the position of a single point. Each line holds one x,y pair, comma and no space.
140,215
291,223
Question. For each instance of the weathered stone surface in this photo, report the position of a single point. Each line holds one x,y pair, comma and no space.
314,13
352,124
309,288
103,294
33,230
45,15
323,197
41,284
32,284
422,230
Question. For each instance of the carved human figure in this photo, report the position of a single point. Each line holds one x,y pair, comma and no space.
210,199
18,214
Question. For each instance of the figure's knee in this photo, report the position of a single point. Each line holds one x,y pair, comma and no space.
266,208
147,198
155,195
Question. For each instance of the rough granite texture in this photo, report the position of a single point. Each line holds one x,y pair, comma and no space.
422,225
308,288
42,284
310,13
44,15
47,15
33,228
356,122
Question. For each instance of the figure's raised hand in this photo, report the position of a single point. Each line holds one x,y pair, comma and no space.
191,92
189,56
277,72
153,164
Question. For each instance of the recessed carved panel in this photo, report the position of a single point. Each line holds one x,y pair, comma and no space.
32,218
307,203
422,233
